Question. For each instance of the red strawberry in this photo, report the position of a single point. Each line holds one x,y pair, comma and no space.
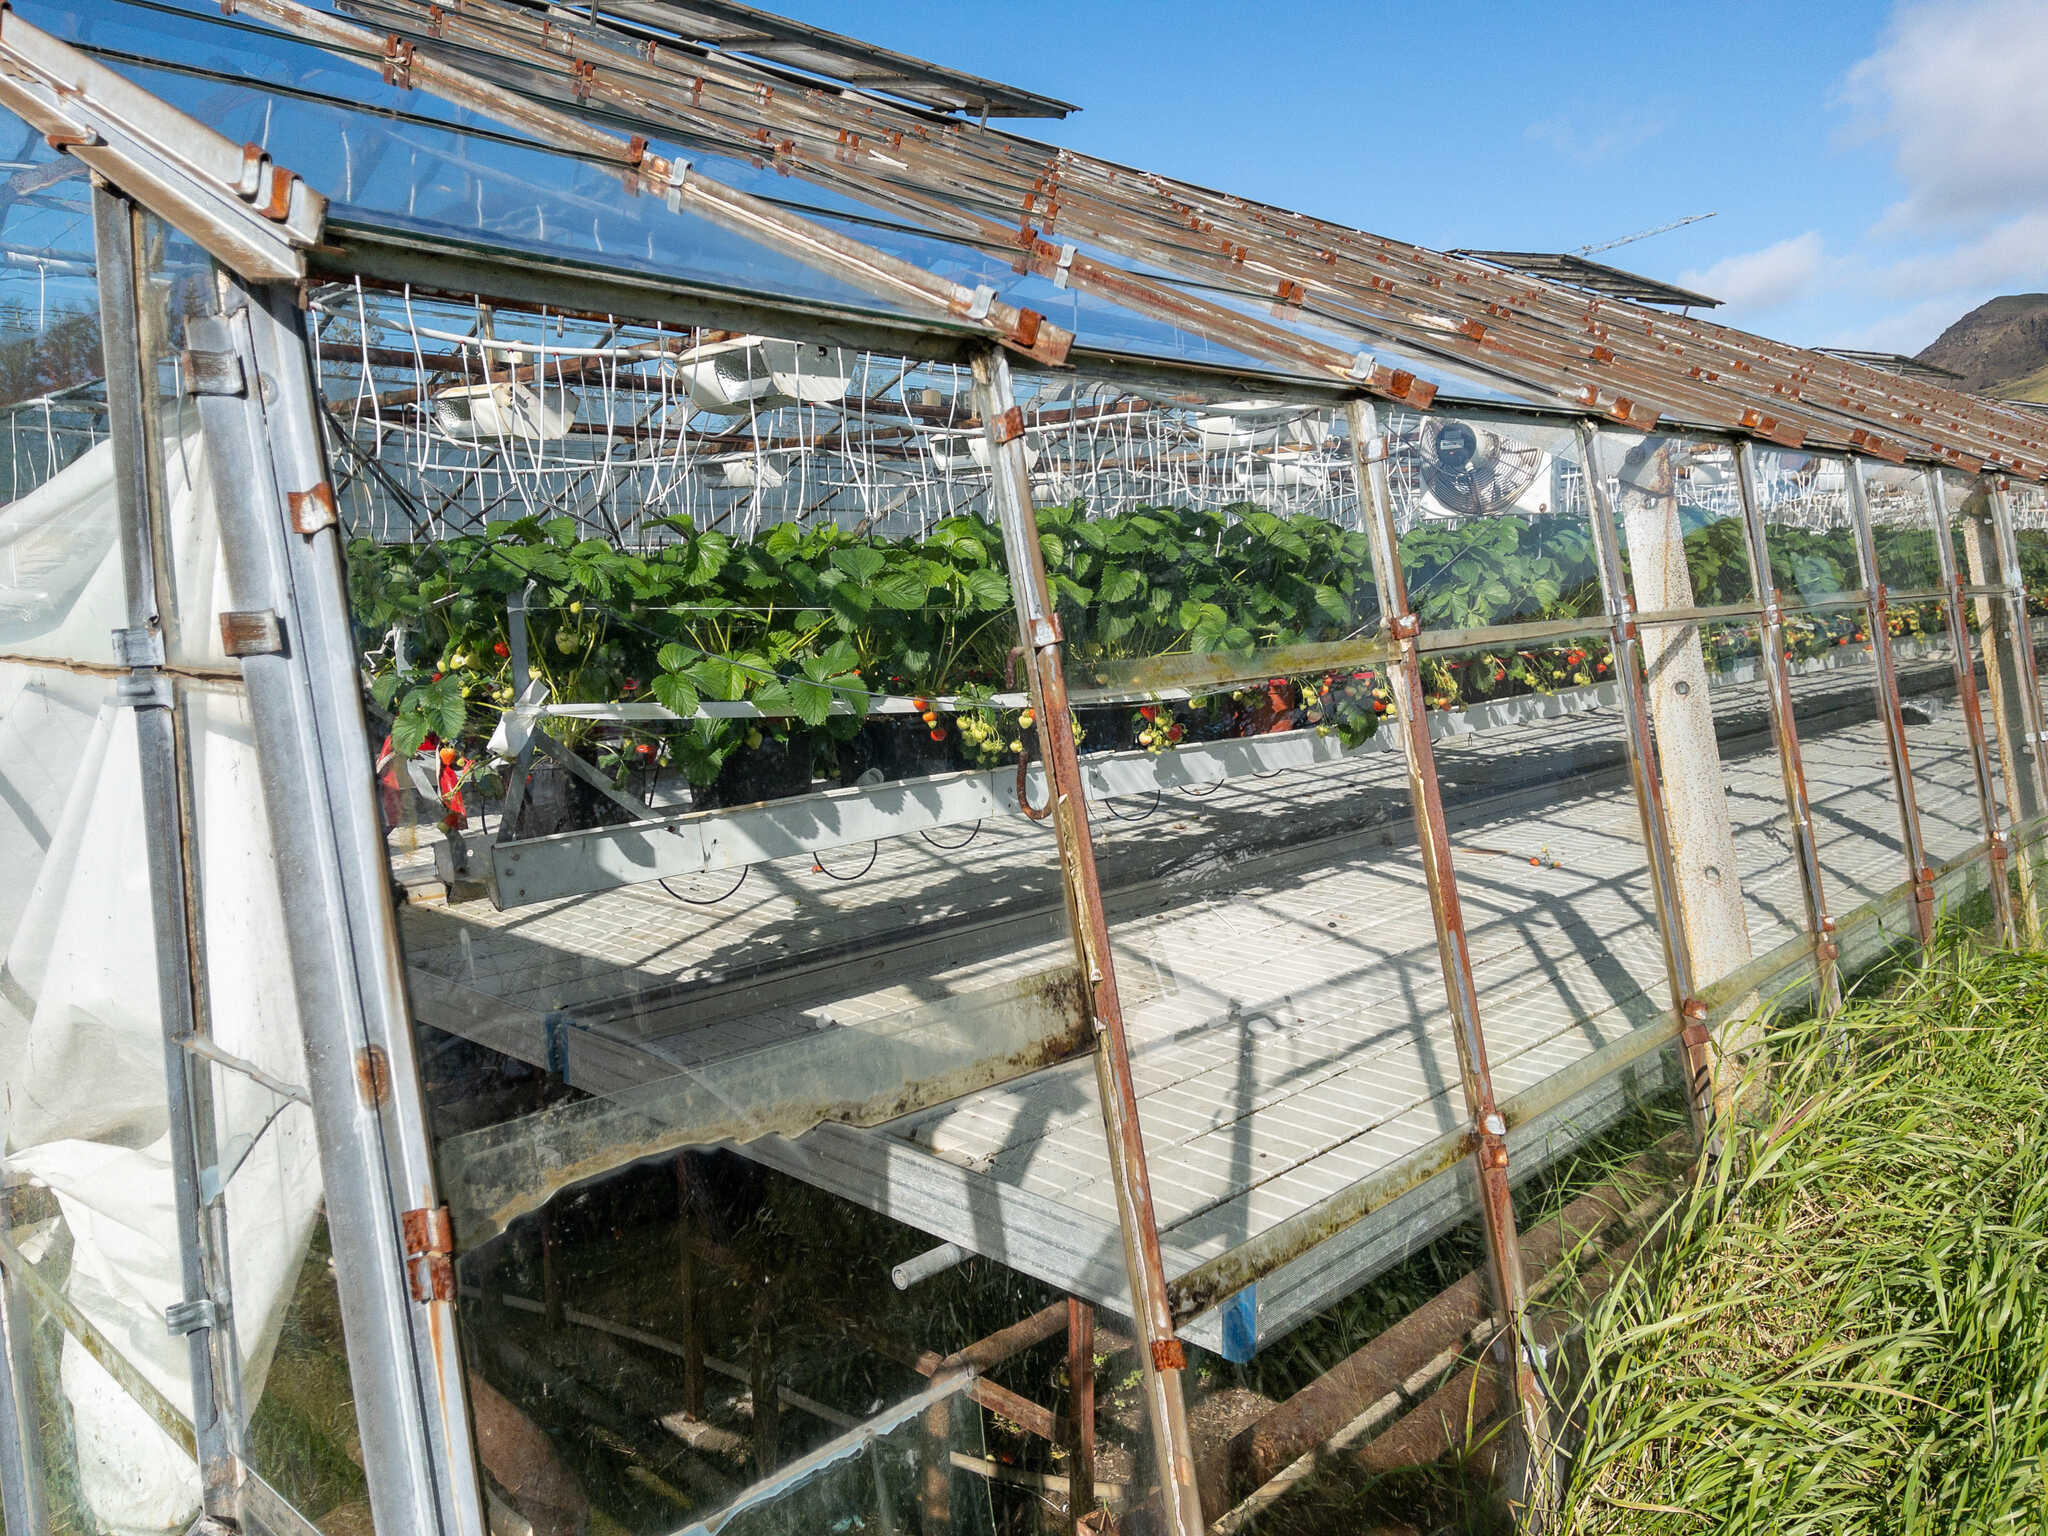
501,649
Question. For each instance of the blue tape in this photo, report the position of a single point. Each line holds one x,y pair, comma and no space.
557,1027
1241,1325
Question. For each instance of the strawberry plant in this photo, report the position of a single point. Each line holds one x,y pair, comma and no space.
810,623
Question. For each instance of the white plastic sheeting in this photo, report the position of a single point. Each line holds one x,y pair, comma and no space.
82,1095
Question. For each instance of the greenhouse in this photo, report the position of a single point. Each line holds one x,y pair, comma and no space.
733,803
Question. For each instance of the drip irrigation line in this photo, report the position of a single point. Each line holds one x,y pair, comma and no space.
1109,805
708,901
1203,794
950,847
818,865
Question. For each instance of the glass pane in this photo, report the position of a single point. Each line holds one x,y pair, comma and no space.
287,1315
1492,519
1902,527
1937,732
62,592
514,195
82,1085
1724,792
1848,769
1973,530
2029,508
1997,629
688,653
176,281
1809,527
1678,491
1547,843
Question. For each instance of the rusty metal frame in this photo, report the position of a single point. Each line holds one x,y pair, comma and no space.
1488,1134
383,1205
1161,1356
675,181
253,216
1799,807
2016,598
1602,355
2030,724
1645,771
1877,615
1967,696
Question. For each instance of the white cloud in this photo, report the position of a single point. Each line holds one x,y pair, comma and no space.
1908,330
2011,254
1594,146
1761,280
1957,86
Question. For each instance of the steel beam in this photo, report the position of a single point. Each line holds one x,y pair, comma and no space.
281,548
1966,694
2022,629
2028,726
1877,614
1706,1097
255,217
1489,1130
1778,692
205,1314
808,241
1161,1356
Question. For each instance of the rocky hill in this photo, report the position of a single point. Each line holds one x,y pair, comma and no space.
2000,348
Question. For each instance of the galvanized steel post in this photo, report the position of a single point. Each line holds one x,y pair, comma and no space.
1161,1355
1877,615
1489,1129
2022,627
1972,707
1702,1099
205,1315
1983,545
2029,725
1778,693
394,1268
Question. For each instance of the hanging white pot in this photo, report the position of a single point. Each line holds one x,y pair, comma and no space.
807,373
747,472
1233,426
955,453
491,412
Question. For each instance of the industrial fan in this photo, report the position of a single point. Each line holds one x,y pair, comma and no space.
1474,471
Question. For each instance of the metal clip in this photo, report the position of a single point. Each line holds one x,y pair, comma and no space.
1064,266
253,632
1045,631
143,690
430,1253
1009,426
977,308
312,510
678,175
211,373
1363,366
183,1317
140,646
1405,626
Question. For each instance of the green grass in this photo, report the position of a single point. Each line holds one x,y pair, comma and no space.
1847,1328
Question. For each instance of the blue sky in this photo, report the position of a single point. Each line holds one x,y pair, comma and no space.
1877,169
